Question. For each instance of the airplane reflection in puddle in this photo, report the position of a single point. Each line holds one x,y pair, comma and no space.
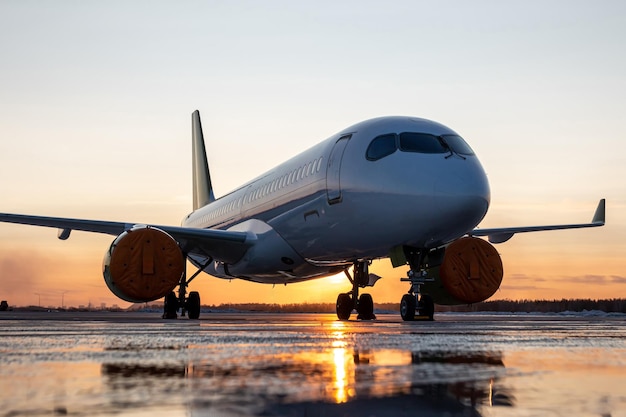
332,381
337,380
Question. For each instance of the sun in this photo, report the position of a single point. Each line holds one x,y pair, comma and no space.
337,279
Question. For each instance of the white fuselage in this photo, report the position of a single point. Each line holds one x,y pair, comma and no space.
330,205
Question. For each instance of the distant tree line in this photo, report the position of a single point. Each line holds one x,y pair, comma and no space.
276,308
614,305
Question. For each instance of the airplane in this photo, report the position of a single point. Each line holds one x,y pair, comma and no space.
404,188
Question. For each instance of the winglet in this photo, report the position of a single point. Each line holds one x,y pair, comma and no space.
598,217
202,188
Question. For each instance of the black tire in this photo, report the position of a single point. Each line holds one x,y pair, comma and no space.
170,306
407,307
193,305
344,306
427,307
365,308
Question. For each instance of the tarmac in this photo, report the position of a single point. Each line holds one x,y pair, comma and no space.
258,364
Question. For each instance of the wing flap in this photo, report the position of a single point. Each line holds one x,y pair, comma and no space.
502,234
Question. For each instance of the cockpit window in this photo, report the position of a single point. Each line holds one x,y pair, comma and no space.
421,142
458,145
381,146
387,144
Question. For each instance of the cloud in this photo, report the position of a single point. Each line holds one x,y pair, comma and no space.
521,277
616,279
589,279
594,279
519,288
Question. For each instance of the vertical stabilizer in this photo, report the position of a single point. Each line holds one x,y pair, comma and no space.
202,188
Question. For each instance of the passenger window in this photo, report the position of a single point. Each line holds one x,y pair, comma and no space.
421,142
458,145
381,146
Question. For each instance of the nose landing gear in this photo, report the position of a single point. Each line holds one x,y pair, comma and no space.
364,304
414,303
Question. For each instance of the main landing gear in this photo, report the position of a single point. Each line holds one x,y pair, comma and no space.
415,304
188,305
346,302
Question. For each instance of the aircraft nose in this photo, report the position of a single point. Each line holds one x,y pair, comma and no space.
462,197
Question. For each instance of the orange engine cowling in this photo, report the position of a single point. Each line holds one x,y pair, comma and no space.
143,264
471,270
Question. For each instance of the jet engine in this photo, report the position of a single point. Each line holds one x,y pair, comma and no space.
470,271
143,264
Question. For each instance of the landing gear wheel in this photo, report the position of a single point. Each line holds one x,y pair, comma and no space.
427,307
170,306
193,305
365,308
344,306
407,307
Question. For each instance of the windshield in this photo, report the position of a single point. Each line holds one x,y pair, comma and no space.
384,145
457,144
421,142
381,146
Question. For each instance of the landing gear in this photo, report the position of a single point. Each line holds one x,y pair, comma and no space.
365,308
170,306
417,305
346,302
345,305
407,307
427,307
414,303
193,305
188,305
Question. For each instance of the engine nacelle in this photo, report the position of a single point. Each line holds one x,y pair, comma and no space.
470,272
143,264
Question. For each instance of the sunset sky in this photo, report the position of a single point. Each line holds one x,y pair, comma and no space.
95,122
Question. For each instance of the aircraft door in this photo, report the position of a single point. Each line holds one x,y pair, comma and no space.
333,170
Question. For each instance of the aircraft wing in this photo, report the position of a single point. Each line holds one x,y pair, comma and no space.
221,245
97,226
501,235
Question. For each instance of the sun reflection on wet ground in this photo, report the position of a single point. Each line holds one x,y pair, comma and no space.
303,365
341,364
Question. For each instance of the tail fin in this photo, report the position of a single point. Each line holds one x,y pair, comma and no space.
202,188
